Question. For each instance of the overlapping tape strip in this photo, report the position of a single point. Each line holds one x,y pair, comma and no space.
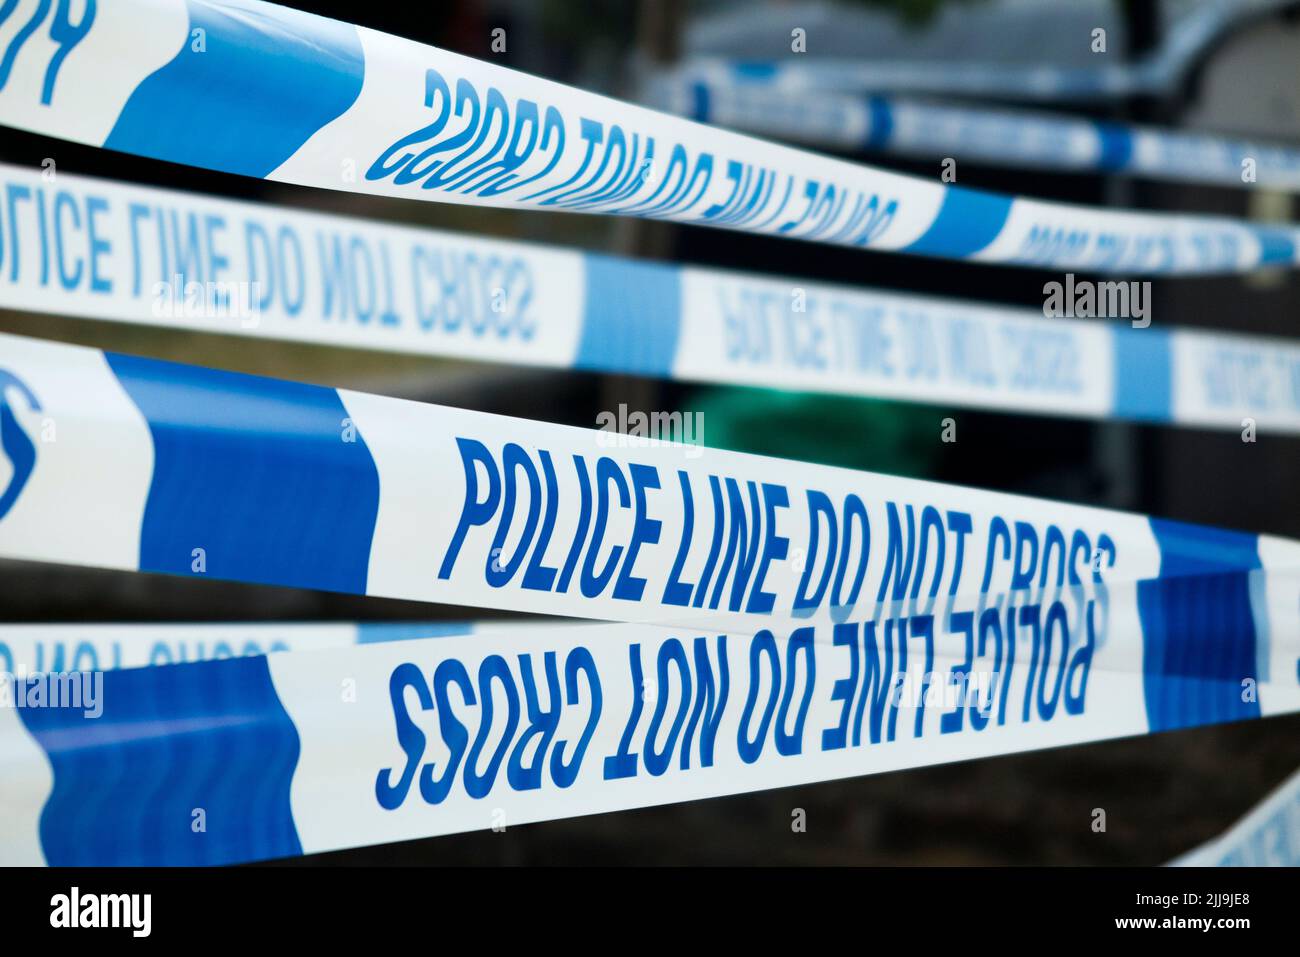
97,249
271,756
124,462
769,609
330,105
1012,138
1001,81
773,572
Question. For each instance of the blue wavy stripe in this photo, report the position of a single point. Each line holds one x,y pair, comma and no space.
1199,634
267,478
245,48
968,221
188,764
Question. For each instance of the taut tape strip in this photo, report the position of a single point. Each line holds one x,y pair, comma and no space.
104,250
1269,836
1031,140
327,104
131,463
813,77
271,756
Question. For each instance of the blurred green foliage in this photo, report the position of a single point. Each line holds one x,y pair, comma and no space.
878,436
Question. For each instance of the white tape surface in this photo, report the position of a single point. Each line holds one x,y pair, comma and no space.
1012,138
330,105
103,250
213,474
392,741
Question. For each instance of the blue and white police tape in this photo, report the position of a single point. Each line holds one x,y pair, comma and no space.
125,462
1269,836
327,104
105,646
1184,43
264,757
1014,138
812,77
103,250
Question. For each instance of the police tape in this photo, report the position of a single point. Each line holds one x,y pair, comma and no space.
1269,836
104,250
1014,82
106,646
330,105
131,463
1001,81
260,757
981,135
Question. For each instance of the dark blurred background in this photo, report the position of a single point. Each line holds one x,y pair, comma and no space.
1162,794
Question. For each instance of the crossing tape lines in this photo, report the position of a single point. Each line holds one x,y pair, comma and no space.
103,250
334,106
1014,138
763,610
124,462
273,756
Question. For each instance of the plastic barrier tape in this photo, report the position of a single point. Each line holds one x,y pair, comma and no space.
1005,137
263,757
97,249
132,463
1003,81
1269,836
1015,82
326,104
